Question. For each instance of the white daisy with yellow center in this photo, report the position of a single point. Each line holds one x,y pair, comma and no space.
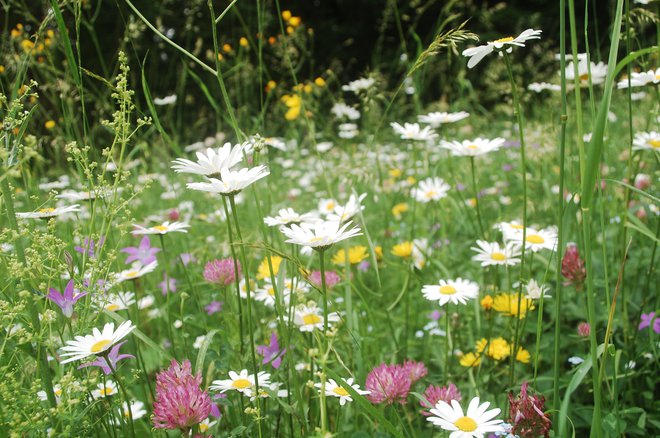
332,389
587,71
266,294
436,119
320,235
473,148
412,131
493,254
137,411
430,189
457,291
231,182
242,382
647,141
48,212
309,317
475,423
164,228
535,240
212,161
96,343
136,271
115,302
478,53
105,389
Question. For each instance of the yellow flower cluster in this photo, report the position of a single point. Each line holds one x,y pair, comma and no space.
399,209
263,271
497,349
507,304
28,44
403,250
355,255
294,104
291,21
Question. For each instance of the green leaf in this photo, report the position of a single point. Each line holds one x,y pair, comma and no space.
199,363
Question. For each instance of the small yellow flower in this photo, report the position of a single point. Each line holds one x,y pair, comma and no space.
523,355
286,15
319,82
227,48
498,348
508,305
403,250
270,86
395,173
263,271
220,57
355,255
378,250
50,124
308,88
2,69
399,209
27,45
471,202
295,21
50,33
411,180
470,360
487,302
272,40
289,30
243,42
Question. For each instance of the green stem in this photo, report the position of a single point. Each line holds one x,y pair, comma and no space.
236,271
476,198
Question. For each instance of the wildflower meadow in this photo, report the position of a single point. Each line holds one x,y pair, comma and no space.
329,219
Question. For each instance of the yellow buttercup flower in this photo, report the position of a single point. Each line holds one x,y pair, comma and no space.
470,360
507,304
403,250
227,48
379,252
50,124
319,82
294,103
286,15
355,255
497,348
270,86
263,271
487,302
395,173
523,355
295,21
399,209
243,42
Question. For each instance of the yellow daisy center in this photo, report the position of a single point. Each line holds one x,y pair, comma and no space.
516,226
57,391
100,345
584,77
466,424
330,206
472,146
315,239
311,319
203,427
340,391
654,143
447,290
498,256
131,274
112,307
271,291
431,193
46,210
241,383
535,238
504,40
106,391
160,228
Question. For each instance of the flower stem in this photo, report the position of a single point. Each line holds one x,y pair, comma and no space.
249,309
476,198
236,276
124,394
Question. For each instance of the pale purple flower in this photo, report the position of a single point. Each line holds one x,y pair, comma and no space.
213,307
271,352
221,271
168,284
331,279
113,356
66,300
364,266
649,319
388,384
434,394
187,258
180,402
142,253
89,247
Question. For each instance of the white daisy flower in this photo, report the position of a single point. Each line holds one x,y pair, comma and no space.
647,141
205,425
508,228
116,301
348,130
436,119
137,270
286,216
456,291
167,100
49,212
96,343
273,387
474,423
231,182
137,411
211,162
320,235
412,131
535,291
472,148
309,317
110,388
327,206
334,390
57,390
242,382
476,54
266,294
639,79
420,251
71,195
535,240
598,72
539,87
345,212
164,228
492,254
430,189
359,85
340,110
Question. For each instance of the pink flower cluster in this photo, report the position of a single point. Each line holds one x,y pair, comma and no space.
331,279
526,415
221,271
391,383
572,267
180,402
434,394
